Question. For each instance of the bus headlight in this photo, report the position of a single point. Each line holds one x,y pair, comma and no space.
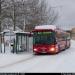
52,49
35,49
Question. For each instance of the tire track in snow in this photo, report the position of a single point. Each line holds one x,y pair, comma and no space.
23,60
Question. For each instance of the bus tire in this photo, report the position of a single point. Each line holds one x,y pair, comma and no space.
69,45
59,49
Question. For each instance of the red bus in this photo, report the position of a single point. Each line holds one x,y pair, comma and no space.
49,39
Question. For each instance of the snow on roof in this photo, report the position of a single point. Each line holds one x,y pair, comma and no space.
15,32
46,27
21,32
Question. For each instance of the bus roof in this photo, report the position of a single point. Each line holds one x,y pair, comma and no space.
52,27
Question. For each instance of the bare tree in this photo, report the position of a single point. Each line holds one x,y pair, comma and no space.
1,14
39,14
12,12
26,14
3,6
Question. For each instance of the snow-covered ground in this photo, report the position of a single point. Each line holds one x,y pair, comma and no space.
27,62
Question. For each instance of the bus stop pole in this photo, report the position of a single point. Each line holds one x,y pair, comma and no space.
15,50
4,42
10,41
1,44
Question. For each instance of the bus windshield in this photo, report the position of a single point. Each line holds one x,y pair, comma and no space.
44,38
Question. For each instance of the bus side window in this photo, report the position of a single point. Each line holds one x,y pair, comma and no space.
68,36
63,36
59,37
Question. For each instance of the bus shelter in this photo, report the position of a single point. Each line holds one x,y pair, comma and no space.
15,42
22,42
6,40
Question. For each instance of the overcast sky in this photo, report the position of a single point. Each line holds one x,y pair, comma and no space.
66,10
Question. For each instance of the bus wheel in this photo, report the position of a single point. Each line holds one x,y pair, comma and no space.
58,50
69,45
